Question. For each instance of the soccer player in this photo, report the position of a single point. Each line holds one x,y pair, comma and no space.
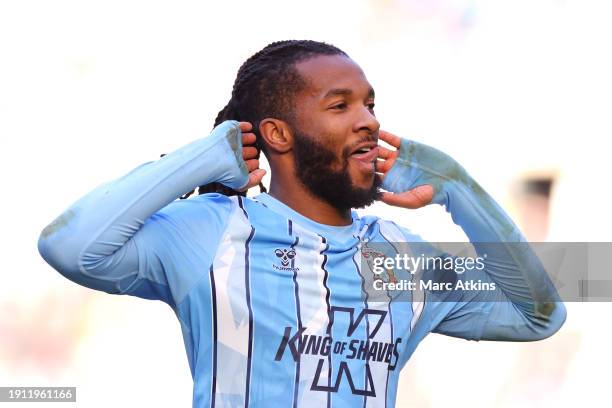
275,304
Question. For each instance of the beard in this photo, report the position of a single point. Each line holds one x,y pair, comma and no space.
314,169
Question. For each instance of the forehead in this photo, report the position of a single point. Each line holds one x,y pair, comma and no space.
325,72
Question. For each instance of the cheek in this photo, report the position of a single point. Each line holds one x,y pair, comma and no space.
329,131
334,139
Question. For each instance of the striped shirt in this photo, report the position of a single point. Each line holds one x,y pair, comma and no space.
276,309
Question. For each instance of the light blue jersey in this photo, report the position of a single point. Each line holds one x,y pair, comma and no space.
273,306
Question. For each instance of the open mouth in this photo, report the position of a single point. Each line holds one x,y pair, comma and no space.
366,155
362,150
365,149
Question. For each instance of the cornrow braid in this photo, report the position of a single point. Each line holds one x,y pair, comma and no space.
265,87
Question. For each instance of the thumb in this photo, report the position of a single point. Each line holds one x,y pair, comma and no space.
415,198
255,178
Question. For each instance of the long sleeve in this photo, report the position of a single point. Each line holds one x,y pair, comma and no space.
119,238
525,305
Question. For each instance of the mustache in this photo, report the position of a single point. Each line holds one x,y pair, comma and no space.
346,152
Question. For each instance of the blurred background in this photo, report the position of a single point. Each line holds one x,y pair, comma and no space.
519,92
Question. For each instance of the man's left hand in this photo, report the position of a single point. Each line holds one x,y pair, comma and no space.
414,198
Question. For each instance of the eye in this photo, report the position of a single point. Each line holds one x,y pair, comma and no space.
371,106
340,106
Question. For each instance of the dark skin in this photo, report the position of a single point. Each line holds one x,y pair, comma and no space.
337,108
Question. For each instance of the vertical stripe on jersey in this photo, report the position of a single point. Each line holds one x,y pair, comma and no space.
214,339
247,285
327,302
296,384
378,369
390,308
365,303
234,314
391,233
312,298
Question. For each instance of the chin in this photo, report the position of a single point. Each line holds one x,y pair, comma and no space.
364,182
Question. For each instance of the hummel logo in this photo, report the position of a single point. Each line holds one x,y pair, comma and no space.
287,259
286,255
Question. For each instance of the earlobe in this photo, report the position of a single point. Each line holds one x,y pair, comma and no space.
276,134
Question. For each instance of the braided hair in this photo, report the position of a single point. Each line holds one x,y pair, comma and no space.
265,87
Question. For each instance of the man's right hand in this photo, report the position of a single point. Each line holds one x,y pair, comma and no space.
250,154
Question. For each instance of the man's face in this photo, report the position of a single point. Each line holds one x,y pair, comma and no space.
336,132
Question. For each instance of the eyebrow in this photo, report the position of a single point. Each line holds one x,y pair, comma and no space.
346,92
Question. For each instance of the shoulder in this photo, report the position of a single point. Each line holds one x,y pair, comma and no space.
208,212
390,230
396,232
204,203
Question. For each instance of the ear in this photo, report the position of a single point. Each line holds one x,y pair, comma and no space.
276,134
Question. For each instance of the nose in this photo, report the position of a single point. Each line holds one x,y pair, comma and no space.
367,121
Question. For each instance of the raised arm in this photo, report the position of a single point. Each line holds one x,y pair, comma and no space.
107,240
525,306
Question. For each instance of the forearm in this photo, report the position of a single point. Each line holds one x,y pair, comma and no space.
80,242
530,308
526,305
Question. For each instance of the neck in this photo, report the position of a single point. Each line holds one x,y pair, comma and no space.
302,201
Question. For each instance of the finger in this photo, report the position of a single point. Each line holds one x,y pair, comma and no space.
254,179
245,126
416,198
385,153
248,138
256,176
252,164
383,166
390,138
249,152
388,159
